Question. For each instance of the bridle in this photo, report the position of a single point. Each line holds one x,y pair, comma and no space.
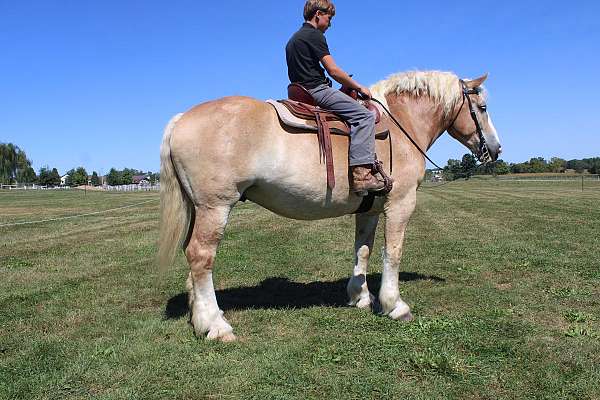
483,154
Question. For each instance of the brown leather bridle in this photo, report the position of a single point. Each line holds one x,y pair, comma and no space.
484,154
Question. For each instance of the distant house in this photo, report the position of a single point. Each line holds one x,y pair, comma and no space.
141,180
63,179
437,176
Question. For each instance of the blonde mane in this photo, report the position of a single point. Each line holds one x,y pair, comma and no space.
440,86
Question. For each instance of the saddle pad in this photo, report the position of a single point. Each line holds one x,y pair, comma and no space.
289,119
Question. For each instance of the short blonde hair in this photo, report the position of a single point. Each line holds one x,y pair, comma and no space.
312,6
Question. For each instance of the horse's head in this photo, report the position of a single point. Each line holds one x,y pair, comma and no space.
472,125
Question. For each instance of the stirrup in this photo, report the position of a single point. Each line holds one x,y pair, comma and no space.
388,182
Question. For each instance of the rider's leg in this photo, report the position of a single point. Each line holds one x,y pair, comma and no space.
362,134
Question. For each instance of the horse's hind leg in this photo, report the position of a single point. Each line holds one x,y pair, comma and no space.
206,317
358,292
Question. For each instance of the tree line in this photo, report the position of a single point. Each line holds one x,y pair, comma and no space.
125,176
468,166
15,167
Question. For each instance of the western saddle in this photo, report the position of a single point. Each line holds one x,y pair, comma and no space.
302,105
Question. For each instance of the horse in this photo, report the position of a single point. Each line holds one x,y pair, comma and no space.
233,148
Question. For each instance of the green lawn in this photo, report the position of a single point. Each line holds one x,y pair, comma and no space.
503,279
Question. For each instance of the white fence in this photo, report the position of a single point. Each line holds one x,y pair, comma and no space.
551,178
33,186
132,188
119,188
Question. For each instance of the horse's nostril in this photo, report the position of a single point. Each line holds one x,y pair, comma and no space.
500,150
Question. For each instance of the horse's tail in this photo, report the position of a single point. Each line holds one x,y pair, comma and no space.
175,205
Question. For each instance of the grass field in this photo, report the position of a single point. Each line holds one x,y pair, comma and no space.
503,279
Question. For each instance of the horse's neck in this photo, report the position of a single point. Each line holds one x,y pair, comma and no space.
421,117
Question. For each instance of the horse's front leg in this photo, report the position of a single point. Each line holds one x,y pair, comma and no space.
397,215
358,292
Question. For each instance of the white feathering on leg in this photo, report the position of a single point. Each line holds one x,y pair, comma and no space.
357,286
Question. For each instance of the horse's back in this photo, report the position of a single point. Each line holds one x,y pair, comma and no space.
221,118
237,145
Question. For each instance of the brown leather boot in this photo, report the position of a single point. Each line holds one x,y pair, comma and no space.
364,181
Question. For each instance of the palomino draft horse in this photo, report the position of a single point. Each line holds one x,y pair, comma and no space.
220,150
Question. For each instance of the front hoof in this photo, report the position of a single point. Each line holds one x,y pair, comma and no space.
217,329
406,317
224,336
401,313
227,338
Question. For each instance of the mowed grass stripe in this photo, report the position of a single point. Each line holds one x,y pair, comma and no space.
20,204
510,312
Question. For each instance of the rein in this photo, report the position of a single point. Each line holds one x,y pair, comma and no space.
405,132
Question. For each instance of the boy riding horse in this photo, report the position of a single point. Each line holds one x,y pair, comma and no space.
305,52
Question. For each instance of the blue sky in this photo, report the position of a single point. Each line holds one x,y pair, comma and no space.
93,83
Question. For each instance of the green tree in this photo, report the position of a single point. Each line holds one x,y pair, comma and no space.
452,170
577,165
595,165
26,175
8,162
502,167
79,177
95,179
538,164
69,179
557,164
14,165
498,167
49,178
127,176
520,168
44,175
468,165
54,177
114,177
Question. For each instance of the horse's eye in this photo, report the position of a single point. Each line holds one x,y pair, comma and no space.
483,108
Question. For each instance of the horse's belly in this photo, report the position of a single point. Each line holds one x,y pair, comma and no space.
296,203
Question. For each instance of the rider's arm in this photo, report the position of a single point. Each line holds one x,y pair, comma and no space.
341,76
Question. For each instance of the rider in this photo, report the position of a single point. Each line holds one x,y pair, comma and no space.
304,51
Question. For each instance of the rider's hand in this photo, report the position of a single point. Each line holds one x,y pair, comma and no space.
365,92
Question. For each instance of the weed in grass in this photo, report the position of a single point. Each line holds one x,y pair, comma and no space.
326,356
581,330
14,263
577,316
578,325
431,361
503,311
437,324
568,292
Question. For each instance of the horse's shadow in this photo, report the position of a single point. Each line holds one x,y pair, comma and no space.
278,293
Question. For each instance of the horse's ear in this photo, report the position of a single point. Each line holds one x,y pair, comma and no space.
476,82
